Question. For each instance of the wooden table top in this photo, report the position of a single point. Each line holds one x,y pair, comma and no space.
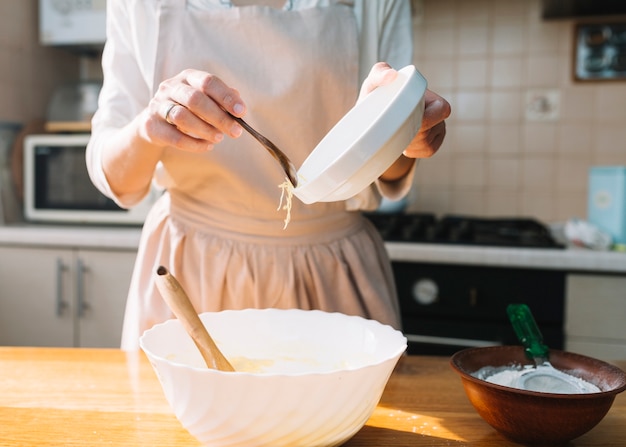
107,397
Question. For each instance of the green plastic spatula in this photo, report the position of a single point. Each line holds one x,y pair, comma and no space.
544,377
528,332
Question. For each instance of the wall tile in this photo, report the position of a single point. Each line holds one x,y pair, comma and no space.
610,137
470,105
14,17
439,73
505,106
502,204
473,39
572,204
439,41
489,132
508,39
504,139
547,37
517,9
539,138
540,205
435,171
468,172
472,73
537,174
440,11
609,158
503,174
571,176
431,200
610,104
578,104
474,12
29,72
469,202
544,70
575,139
507,72
469,138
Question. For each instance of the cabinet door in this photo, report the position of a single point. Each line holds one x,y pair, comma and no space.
36,288
595,315
102,282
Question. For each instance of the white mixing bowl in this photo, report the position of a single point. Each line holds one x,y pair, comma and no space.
314,378
365,142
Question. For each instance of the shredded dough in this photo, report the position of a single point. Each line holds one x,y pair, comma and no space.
286,195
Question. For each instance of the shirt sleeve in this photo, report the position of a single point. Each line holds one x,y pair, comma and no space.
386,35
125,90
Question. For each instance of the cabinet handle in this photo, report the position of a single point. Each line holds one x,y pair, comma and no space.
82,305
61,304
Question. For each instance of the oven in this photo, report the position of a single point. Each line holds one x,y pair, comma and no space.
448,307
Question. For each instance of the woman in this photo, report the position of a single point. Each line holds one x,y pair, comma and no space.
292,69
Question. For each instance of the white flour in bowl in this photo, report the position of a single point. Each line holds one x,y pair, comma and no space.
511,376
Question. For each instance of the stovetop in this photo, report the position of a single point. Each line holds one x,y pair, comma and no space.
467,230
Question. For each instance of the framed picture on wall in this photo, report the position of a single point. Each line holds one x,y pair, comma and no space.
600,52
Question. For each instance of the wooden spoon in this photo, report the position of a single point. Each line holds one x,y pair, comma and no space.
179,302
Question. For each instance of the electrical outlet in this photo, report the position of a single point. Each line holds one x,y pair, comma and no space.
543,105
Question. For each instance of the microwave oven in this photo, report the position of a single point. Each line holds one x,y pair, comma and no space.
57,187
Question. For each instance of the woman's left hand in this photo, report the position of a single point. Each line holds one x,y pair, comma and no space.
433,129
432,132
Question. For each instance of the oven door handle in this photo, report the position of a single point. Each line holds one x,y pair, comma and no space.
450,341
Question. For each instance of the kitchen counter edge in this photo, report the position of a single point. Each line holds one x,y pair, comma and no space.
127,238
568,259
87,236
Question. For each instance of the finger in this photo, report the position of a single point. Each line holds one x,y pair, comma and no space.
380,74
172,136
169,135
167,109
187,143
203,117
427,142
167,127
436,135
187,122
225,97
436,110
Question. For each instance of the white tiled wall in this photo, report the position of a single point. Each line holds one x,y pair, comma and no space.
28,71
485,57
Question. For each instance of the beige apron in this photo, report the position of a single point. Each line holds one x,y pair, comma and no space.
218,229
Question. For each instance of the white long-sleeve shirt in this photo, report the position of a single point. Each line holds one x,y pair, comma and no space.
129,79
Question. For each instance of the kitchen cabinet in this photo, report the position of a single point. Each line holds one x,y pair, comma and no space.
595,313
63,296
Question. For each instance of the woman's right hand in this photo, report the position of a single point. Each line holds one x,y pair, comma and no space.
188,112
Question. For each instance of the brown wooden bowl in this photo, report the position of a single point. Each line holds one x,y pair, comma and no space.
533,418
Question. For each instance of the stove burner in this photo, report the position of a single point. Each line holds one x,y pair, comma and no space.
426,228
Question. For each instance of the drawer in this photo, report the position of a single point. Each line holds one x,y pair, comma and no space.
596,306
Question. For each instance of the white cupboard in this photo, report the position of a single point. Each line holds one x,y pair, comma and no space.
595,315
63,296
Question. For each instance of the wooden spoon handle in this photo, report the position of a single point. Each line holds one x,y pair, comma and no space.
179,303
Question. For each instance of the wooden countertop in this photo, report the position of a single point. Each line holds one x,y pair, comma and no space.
97,397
